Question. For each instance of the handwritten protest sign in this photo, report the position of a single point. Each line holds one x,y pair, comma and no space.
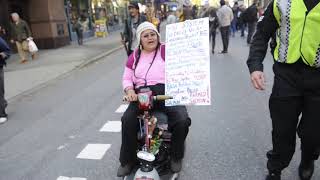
188,63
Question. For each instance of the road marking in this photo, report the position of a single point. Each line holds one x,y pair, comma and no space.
111,126
61,147
63,178
94,151
122,108
70,178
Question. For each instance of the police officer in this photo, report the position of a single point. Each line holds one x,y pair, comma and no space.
296,88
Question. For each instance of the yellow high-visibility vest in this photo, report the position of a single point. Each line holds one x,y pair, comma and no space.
299,32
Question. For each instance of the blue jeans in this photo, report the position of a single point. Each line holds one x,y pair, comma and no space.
234,26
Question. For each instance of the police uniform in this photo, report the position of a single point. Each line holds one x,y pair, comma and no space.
296,89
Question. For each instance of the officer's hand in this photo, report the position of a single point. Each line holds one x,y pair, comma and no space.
131,95
258,80
12,41
3,55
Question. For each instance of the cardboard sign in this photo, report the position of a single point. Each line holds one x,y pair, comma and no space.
188,63
101,28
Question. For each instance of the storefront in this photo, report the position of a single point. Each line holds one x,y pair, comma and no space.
46,19
79,10
112,11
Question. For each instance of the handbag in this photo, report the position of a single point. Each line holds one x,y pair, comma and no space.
32,46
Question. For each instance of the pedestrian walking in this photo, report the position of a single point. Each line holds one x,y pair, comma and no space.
213,25
225,16
235,10
20,35
241,21
187,10
131,26
251,18
171,19
78,28
295,96
3,32
4,55
194,11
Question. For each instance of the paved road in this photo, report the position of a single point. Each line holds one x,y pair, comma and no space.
53,131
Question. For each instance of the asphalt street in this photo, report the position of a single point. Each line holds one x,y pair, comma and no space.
55,133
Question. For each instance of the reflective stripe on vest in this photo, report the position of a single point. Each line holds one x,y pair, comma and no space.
298,35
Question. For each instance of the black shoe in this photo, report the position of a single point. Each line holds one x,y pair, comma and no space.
306,169
273,176
176,165
223,52
124,170
212,51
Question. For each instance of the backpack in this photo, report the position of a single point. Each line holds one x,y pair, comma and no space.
134,56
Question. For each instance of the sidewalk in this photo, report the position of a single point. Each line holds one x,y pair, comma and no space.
50,64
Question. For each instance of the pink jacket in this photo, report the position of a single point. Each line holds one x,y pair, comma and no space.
134,77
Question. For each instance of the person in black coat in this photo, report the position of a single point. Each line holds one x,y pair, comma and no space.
251,17
131,26
4,55
213,25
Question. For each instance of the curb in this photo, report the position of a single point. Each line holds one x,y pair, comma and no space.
83,64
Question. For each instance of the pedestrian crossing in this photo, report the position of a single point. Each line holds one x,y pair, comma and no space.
97,151
122,108
94,151
111,126
70,178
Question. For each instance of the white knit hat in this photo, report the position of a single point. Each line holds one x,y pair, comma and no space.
145,26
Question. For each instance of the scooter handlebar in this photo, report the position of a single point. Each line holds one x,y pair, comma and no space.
162,97
155,98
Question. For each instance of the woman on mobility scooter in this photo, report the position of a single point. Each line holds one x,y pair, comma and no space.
146,68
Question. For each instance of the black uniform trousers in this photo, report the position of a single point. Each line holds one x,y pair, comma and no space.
178,121
296,91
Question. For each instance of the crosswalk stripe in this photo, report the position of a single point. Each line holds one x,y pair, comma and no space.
63,178
94,151
122,108
111,126
70,178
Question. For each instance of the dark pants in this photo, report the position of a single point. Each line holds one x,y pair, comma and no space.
225,37
234,26
296,91
251,30
178,121
242,28
80,36
3,102
213,39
